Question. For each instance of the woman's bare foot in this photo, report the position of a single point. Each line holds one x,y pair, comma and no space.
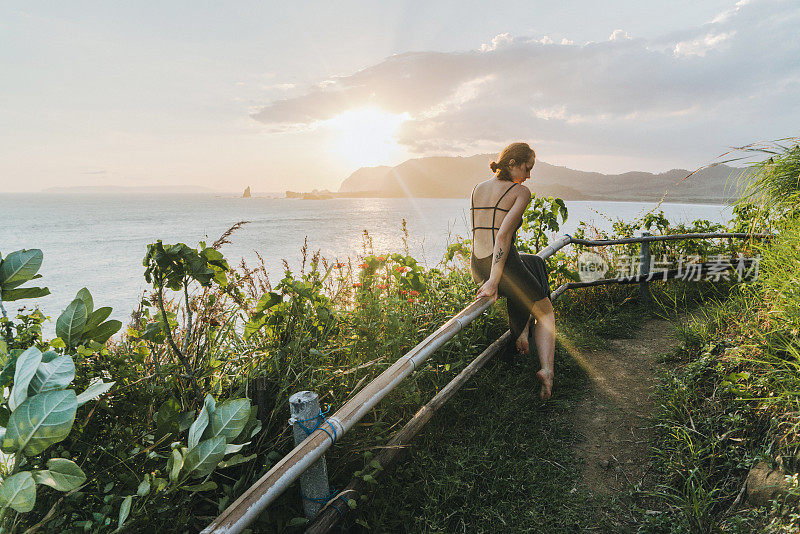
522,342
545,376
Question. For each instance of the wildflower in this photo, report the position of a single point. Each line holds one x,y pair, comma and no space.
363,265
411,300
357,284
401,269
413,293
339,265
403,292
382,286
381,258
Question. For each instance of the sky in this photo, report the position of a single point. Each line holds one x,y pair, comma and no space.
297,95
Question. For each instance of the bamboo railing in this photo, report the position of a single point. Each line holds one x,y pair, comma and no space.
255,499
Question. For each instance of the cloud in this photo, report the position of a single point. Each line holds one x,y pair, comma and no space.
497,41
699,47
727,81
619,35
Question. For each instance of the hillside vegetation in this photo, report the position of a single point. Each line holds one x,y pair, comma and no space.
187,407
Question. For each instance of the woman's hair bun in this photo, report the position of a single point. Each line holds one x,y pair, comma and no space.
493,165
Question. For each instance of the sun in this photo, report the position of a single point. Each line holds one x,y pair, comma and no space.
365,137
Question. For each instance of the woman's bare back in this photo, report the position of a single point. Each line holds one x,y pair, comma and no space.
485,197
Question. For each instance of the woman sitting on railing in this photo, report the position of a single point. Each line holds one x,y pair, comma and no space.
497,206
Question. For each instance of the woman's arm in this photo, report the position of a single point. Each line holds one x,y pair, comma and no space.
502,244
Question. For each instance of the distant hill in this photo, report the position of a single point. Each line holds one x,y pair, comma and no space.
365,179
454,177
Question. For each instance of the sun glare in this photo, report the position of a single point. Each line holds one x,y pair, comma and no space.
365,136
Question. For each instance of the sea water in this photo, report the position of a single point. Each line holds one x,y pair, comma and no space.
98,241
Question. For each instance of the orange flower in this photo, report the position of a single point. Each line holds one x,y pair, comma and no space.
413,293
357,284
411,300
363,265
403,291
339,265
381,258
382,286
401,269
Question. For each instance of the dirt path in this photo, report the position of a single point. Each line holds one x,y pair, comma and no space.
612,419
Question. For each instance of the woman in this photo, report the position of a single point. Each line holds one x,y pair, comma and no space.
497,206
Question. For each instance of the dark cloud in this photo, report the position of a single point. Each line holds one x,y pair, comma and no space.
730,80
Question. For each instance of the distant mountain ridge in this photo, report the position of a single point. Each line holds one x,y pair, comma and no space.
454,177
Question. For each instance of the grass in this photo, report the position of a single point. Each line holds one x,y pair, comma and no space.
733,400
497,459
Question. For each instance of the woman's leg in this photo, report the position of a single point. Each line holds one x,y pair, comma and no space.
544,335
533,270
519,316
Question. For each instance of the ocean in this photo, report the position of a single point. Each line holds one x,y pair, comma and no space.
98,241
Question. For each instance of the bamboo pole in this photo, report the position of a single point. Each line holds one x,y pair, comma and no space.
247,507
668,237
396,446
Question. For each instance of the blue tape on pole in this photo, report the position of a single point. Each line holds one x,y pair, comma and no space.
320,419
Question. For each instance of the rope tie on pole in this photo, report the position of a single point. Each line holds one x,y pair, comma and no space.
332,496
320,419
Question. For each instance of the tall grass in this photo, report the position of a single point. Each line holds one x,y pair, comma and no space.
773,186
734,398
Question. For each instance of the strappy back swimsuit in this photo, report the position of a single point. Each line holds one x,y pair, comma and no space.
524,279
496,208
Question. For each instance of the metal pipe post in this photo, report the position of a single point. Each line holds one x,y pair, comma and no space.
314,487
645,297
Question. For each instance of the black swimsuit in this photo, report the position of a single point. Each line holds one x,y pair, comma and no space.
524,279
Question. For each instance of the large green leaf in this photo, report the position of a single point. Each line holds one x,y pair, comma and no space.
124,510
144,486
9,295
199,426
95,389
61,474
71,322
19,267
55,374
19,492
236,459
103,332
27,363
40,421
96,317
251,428
228,419
174,465
205,486
87,299
202,459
